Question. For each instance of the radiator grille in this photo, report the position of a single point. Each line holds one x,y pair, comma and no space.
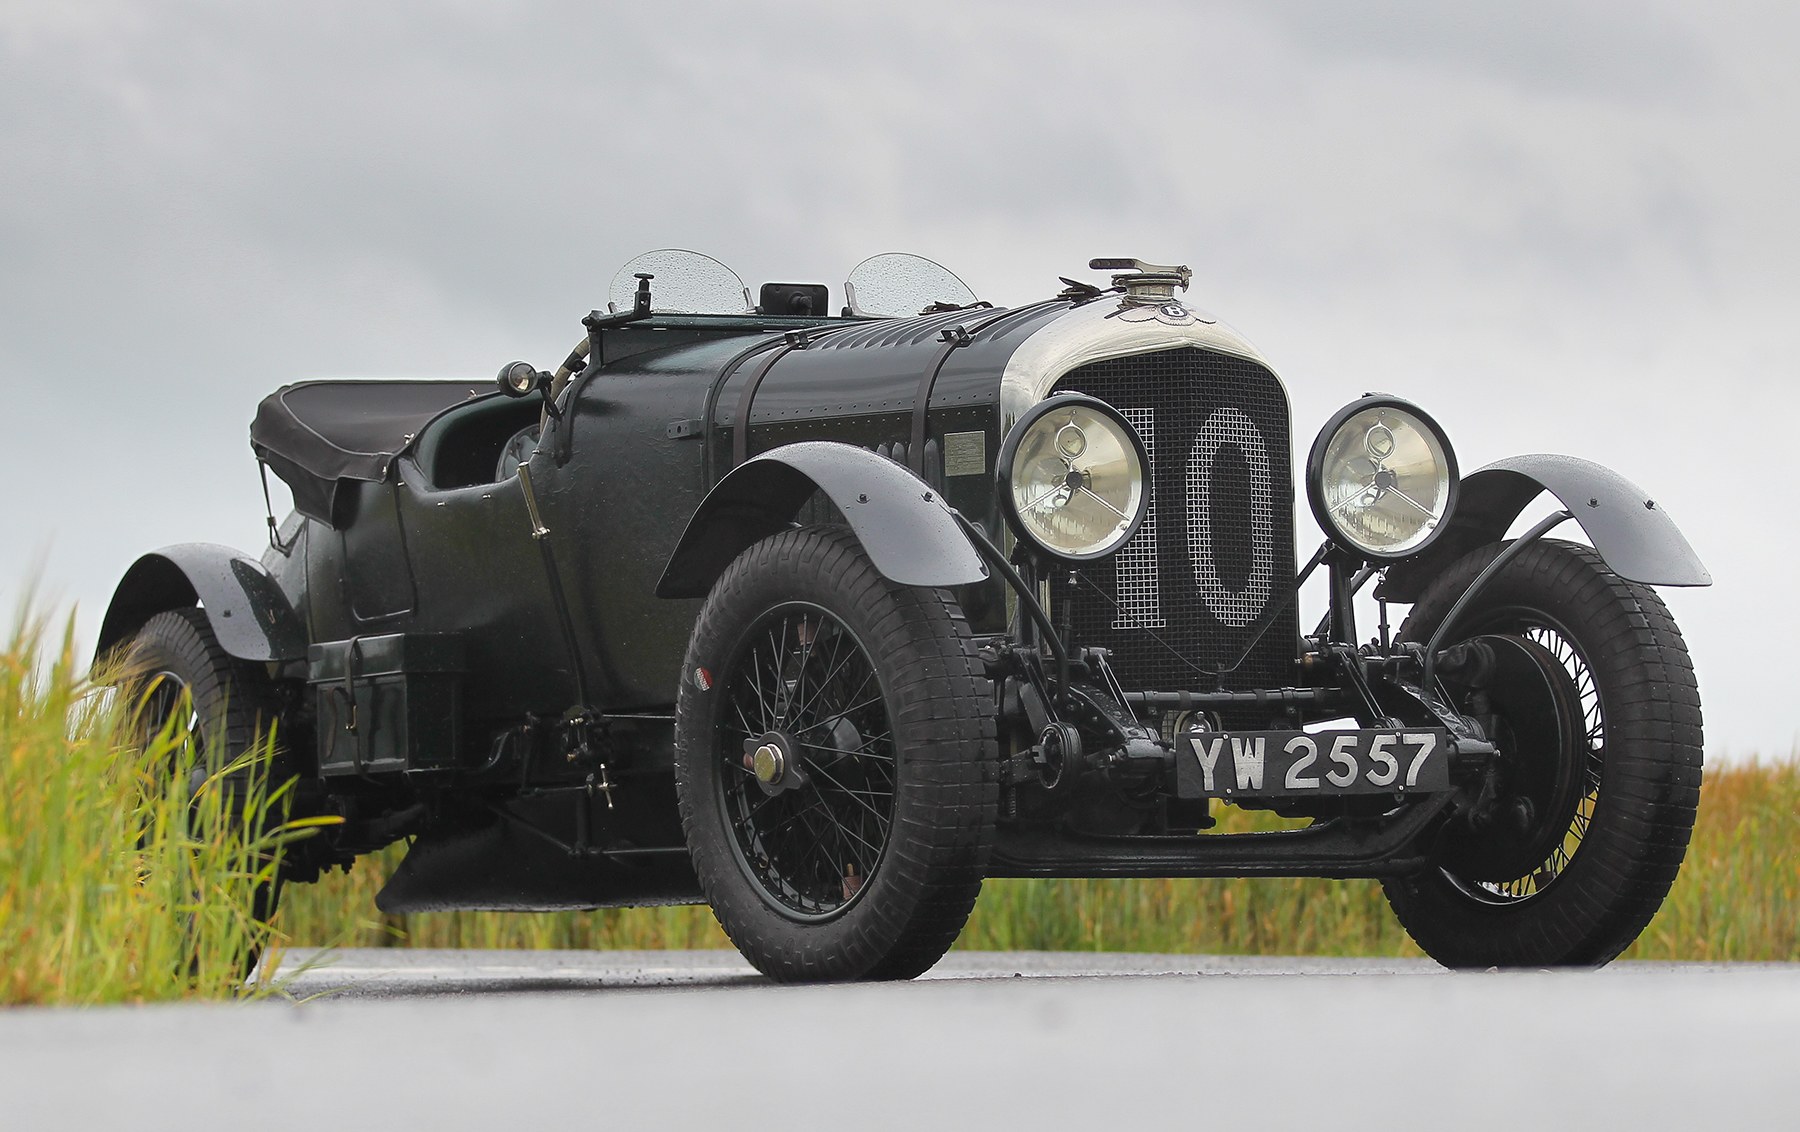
1137,575
1216,550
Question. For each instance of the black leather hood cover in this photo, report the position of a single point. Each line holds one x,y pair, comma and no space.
316,434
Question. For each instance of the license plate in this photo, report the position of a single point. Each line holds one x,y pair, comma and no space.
1272,764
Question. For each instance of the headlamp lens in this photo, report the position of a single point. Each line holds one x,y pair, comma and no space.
1076,479
1384,481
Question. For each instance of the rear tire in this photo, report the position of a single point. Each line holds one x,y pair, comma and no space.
854,845
233,706
1618,837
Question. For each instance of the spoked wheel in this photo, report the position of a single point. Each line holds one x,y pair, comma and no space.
834,761
1532,816
177,666
1591,698
811,802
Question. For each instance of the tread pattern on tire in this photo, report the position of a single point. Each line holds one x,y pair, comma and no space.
237,696
235,701
1650,784
941,707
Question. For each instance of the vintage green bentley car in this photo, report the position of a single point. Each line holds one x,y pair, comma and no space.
823,618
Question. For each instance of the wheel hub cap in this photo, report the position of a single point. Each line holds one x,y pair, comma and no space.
773,759
768,764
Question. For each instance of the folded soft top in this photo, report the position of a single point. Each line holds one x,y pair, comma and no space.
316,434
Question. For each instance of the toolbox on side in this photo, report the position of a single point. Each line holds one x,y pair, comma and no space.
387,703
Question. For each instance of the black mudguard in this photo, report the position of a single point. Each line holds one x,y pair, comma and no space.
907,530
1636,537
249,614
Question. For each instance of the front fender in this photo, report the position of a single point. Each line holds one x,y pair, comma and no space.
907,530
249,614
1632,532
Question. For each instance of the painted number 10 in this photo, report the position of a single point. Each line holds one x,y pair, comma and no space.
1139,584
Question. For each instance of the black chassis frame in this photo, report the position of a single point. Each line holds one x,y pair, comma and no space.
561,795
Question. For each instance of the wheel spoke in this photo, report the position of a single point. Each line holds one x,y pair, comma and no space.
851,794
853,835
854,707
778,709
855,692
813,845
810,807
844,848
816,835
749,731
762,697
756,809
1589,750
803,661
824,686
840,755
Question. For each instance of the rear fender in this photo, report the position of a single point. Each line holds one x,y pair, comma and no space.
909,533
249,614
1636,537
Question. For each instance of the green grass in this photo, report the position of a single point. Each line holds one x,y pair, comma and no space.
124,879
1738,898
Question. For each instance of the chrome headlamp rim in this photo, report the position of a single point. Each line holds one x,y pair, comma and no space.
1009,450
1315,473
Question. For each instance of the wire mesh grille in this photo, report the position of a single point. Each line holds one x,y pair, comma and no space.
1137,574
1186,596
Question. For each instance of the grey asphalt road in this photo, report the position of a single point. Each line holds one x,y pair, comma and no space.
498,1040
387,973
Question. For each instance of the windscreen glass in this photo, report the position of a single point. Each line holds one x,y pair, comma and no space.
898,284
684,283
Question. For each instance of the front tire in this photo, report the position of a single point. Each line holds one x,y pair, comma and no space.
1616,836
835,762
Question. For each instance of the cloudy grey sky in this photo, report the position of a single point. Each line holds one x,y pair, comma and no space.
1561,227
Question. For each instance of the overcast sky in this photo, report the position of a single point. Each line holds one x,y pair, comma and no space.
1564,227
